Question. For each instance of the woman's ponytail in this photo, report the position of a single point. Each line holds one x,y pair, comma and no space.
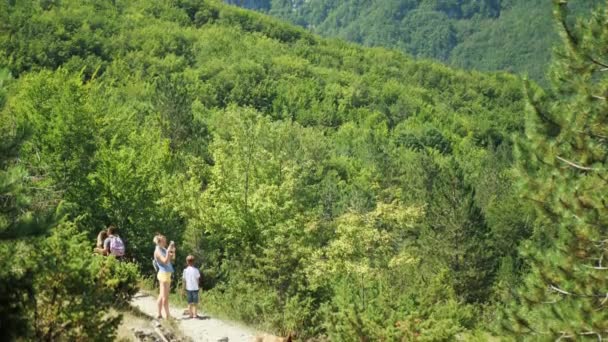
157,238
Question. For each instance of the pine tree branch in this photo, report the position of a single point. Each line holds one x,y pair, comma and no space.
562,13
600,260
593,135
598,63
565,335
580,167
535,200
599,336
571,39
566,293
600,244
600,268
556,289
604,300
538,110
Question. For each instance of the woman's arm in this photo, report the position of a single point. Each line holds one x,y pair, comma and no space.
171,250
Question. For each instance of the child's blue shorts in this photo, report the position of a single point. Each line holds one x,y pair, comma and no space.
192,297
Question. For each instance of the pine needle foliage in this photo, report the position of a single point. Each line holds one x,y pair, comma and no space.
563,162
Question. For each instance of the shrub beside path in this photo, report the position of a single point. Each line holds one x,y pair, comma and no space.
204,329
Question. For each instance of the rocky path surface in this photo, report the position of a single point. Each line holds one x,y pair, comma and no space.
204,329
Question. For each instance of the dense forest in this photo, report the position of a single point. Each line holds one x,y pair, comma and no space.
330,190
487,35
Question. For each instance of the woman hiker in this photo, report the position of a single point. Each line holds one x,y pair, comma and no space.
163,256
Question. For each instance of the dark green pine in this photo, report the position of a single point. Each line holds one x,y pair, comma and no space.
563,162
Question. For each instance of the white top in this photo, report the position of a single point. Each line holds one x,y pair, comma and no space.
191,276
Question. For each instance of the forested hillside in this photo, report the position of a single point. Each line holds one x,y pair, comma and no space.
328,189
487,35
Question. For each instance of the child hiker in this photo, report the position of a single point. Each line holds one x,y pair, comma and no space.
191,278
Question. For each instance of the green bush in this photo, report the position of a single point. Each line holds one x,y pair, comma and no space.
65,292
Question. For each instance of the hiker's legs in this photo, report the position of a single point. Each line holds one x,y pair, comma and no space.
166,287
195,303
191,310
160,301
192,302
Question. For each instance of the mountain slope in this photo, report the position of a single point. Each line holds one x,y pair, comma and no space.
486,35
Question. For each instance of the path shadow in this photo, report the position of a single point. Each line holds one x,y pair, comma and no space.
200,318
141,295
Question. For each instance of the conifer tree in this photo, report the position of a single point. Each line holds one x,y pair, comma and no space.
457,234
563,164
16,221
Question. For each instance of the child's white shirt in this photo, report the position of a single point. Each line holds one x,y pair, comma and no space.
191,277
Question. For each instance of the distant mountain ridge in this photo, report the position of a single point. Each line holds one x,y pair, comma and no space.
486,35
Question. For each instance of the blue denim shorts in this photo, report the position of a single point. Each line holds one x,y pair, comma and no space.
192,297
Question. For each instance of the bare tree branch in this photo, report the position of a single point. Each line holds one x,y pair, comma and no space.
580,167
604,300
596,62
566,293
564,335
597,267
556,289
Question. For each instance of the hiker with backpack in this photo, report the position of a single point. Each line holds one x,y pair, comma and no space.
163,256
113,244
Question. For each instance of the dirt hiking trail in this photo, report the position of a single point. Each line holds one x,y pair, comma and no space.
203,329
